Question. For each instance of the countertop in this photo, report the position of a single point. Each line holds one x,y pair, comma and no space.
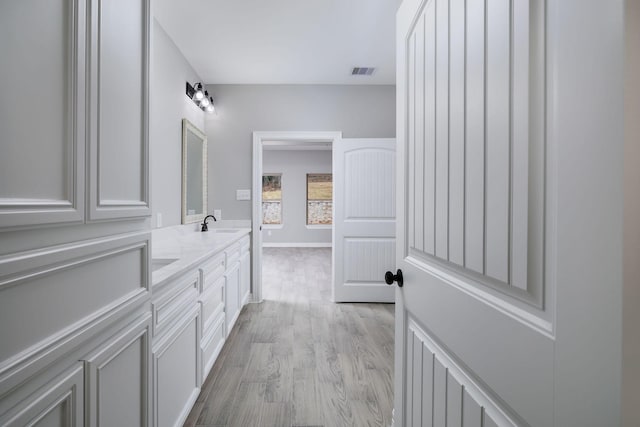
189,247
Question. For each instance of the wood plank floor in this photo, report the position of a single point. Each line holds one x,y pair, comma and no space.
298,359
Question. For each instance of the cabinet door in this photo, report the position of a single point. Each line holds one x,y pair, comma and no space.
232,307
245,278
211,345
58,403
212,303
176,371
118,378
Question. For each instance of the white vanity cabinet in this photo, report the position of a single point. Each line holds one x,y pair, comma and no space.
195,302
212,301
237,280
245,270
175,349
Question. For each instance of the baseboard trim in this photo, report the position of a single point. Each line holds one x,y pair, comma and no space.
297,245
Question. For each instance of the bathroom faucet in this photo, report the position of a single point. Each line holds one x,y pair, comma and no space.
205,227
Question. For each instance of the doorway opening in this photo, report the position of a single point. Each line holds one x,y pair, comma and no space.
274,142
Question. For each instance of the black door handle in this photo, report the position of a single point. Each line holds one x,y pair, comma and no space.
389,277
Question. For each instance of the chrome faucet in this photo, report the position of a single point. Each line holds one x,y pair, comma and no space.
205,227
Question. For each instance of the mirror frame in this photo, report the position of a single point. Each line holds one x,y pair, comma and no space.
187,126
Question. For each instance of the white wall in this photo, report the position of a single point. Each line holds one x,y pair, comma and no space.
169,105
357,111
631,291
294,167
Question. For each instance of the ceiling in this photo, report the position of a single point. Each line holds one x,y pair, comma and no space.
283,41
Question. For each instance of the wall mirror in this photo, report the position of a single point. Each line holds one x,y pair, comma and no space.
194,173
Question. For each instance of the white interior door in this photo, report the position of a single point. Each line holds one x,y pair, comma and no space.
364,219
508,213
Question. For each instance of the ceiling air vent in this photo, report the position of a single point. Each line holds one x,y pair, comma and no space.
362,71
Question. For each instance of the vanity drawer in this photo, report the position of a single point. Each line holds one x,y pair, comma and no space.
245,244
170,304
214,267
211,345
212,279
212,300
233,253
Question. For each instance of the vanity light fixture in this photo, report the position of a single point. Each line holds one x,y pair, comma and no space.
200,98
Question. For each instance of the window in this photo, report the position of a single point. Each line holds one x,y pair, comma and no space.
272,199
319,199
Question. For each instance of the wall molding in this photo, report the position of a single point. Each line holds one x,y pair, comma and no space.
22,267
100,208
16,213
66,389
110,350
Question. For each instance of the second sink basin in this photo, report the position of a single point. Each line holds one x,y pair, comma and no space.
158,263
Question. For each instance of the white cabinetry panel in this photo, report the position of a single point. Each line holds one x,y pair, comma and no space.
119,146
40,291
212,270
194,309
174,300
41,167
245,277
232,306
73,148
176,371
211,345
118,378
212,304
58,403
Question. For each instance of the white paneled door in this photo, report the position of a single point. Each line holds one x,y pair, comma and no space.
497,177
364,219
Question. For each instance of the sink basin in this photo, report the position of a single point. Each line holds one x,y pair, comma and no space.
158,263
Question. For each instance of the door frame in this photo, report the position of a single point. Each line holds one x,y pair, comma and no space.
260,139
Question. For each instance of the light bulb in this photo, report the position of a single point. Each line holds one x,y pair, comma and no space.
210,108
205,102
199,94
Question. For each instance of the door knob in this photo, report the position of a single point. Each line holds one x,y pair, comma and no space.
389,277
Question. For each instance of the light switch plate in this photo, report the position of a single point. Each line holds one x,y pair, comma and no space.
218,214
158,220
243,194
